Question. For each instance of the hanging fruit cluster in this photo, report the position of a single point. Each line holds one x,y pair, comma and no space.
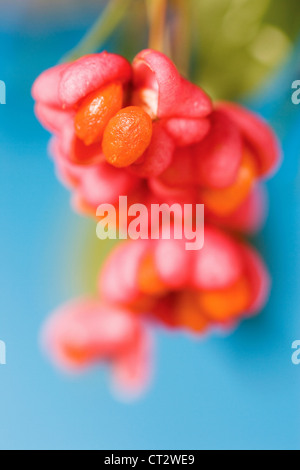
143,131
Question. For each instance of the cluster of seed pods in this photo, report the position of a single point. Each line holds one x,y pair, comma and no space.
143,131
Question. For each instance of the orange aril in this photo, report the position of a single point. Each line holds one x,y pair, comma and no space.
127,136
188,313
143,304
149,281
95,112
76,355
225,201
225,304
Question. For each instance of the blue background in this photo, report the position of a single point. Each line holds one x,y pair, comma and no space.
236,392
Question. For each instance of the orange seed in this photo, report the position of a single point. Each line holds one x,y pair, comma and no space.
149,281
225,304
95,112
127,136
225,201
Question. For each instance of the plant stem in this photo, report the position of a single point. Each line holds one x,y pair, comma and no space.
102,29
157,10
182,37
